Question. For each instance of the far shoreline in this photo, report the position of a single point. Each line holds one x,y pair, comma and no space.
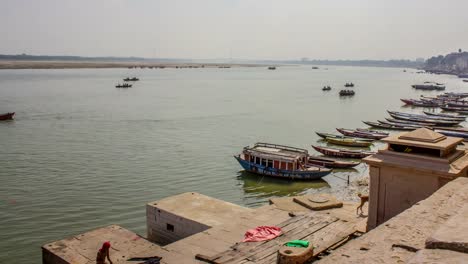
33,64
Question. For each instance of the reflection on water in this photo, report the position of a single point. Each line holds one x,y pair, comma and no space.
266,187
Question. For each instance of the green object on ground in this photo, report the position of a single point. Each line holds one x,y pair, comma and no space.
297,243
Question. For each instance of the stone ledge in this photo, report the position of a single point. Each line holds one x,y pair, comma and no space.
453,234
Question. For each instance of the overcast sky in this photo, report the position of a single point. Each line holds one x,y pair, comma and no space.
246,29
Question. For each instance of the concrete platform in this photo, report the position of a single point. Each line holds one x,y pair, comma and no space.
82,249
202,225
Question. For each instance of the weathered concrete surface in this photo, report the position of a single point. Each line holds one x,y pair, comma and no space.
287,204
452,235
228,228
438,256
318,202
397,240
83,248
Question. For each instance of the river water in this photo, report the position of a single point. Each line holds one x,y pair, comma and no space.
82,154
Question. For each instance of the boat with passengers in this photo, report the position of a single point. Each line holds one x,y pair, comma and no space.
280,161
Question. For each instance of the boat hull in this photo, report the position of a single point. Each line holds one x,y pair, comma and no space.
7,116
342,153
360,134
329,163
349,143
284,174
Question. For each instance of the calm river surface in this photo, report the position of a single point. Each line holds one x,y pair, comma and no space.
82,154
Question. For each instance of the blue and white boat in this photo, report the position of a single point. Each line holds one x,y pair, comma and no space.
280,161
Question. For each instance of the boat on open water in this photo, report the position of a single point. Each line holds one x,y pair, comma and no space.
7,116
280,161
347,93
128,79
125,85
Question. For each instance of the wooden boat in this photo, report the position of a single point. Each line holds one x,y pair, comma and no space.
326,88
125,85
424,116
405,122
462,104
347,93
388,126
134,79
350,142
453,133
272,68
452,94
362,134
371,131
331,163
458,110
414,126
343,153
420,103
329,135
458,117
428,87
279,161
440,121
7,116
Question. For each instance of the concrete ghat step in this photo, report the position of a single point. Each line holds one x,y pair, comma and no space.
434,256
452,235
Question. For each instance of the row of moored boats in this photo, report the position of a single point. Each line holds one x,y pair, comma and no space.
296,163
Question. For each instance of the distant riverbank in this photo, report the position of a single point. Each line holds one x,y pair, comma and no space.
35,64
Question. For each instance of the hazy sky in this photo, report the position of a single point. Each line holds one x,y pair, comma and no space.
247,29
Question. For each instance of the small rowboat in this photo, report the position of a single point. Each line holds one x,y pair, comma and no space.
414,126
405,122
388,126
460,103
7,116
459,110
420,103
331,163
350,142
328,135
362,134
419,116
343,153
462,118
453,133
371,131
128,79
424,119
125,85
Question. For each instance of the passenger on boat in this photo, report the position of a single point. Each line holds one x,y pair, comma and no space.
103,253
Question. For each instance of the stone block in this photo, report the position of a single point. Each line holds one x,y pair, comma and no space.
318,201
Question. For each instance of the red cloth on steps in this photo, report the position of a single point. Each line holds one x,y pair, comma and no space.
261,233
